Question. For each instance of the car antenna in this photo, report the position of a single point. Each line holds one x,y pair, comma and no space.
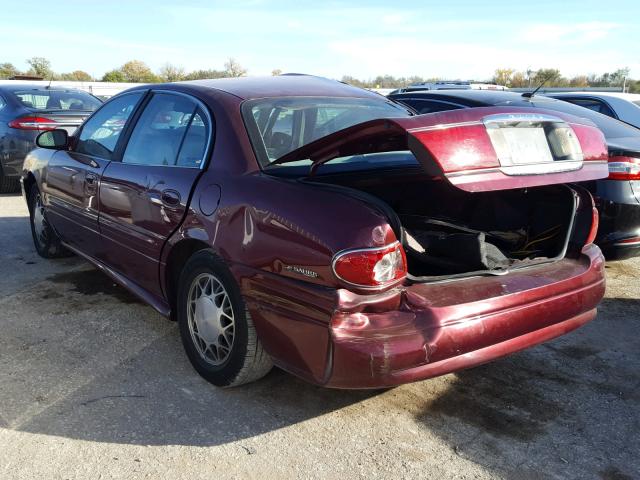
531,94
50,80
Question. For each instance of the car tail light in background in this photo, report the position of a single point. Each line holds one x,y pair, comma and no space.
624,168
33,123
371,267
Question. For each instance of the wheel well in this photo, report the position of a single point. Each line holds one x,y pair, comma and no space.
28,183
178,256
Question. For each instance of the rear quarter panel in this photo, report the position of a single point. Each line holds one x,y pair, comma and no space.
263,228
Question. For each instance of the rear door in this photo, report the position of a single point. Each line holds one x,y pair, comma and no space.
70,185
144,196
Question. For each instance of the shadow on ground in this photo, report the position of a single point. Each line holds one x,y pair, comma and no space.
92,363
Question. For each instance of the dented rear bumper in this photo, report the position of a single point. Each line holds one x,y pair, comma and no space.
426,330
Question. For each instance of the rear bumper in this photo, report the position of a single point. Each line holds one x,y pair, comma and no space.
433,329
619,231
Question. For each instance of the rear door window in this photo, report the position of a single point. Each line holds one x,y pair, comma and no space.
593,104
157,137
100,134
194,147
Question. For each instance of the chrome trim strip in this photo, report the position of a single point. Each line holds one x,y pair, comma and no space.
444,126
501,169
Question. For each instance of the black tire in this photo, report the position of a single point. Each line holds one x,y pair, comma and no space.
9,185
245,360
45,239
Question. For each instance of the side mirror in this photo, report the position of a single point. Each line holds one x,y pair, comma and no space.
54,139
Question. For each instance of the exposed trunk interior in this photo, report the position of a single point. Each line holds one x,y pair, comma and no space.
449,232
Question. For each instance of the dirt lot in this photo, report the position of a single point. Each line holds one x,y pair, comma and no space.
94,384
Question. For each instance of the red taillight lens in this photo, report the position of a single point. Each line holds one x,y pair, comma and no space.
595,222
371,267
624,168
33,123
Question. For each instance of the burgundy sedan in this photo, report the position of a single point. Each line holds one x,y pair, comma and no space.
301,222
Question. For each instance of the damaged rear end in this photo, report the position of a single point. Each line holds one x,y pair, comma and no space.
489,246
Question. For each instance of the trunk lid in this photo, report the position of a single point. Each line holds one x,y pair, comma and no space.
479,149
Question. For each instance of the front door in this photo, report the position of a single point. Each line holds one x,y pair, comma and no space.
144,197
70,186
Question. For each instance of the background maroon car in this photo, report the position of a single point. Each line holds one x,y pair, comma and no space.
300,221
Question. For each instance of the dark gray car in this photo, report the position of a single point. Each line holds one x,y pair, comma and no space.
28,109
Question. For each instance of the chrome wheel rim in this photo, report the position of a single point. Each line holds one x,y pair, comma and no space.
39,221
211,319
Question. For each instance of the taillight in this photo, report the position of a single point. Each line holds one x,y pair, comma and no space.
371,267
595,222
624,168
33,123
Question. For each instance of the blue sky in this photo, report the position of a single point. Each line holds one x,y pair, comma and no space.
446,39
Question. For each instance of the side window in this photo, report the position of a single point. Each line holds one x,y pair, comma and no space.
2,103
99,135
157,136
427,106
592,104
195,141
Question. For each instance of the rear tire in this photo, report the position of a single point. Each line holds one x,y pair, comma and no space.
9,185
45,239
215,325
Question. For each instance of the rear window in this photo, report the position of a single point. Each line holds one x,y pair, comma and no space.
278,126
44,99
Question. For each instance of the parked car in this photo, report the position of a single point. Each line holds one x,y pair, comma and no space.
321,227
617,197
28,109
621,106
449,85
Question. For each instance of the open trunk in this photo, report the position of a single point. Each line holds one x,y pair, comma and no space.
449,232
490,193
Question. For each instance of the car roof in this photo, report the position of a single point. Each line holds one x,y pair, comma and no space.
288,85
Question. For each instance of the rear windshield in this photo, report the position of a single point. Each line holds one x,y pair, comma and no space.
44,99
278,126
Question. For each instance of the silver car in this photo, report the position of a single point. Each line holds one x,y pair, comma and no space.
622,106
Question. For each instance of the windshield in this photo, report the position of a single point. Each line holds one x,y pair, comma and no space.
611,127
278,126
45,99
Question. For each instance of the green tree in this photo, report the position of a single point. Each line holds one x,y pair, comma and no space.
233,69
205,74
114,76
550,76
76,75
171,73
276,71
137,71
503,76
40,67
7,70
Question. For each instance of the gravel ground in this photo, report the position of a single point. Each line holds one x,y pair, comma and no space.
94,384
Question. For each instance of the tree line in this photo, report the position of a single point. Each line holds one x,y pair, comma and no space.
137,71
512,78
